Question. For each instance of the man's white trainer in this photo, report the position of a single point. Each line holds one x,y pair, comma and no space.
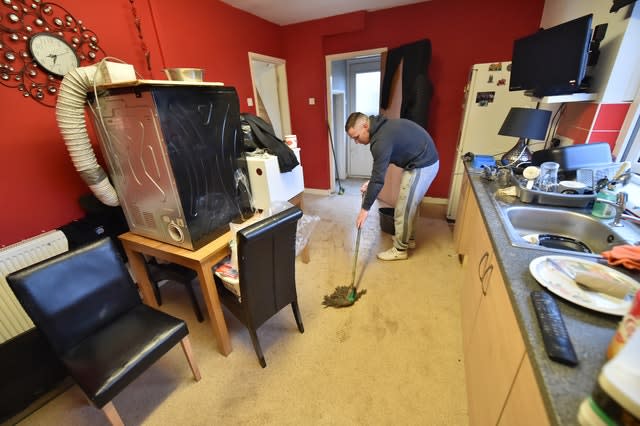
393,254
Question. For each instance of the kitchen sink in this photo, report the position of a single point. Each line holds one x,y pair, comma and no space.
563,229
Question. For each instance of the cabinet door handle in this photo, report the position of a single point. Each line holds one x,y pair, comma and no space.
481,268
485,279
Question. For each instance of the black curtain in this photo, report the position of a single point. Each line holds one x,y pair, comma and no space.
417,89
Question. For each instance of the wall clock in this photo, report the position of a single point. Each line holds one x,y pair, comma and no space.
39,43
53,54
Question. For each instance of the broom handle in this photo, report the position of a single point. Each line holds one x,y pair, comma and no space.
355,255
355,259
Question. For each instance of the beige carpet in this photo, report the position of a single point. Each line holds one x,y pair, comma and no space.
395,357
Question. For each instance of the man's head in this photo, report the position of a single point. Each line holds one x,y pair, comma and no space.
357,127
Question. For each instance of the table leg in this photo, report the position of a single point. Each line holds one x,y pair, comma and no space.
136,261
218,324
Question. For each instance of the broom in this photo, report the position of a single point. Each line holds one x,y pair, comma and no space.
344,296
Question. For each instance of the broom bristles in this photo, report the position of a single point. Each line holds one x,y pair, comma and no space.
340,297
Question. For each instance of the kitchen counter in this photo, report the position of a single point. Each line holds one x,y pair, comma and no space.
563,388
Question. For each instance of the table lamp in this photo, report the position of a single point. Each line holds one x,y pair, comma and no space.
525,124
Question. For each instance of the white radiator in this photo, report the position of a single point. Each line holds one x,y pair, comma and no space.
13,319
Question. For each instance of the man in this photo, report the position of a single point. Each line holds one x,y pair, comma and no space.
407,145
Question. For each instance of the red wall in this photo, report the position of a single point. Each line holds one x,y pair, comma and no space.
462,33
587,122
40,187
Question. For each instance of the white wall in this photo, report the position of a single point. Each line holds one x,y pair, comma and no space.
616,77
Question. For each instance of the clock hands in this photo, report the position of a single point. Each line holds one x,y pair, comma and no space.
54,56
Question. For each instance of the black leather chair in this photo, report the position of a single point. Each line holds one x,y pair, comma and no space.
267,273
158,272
86,305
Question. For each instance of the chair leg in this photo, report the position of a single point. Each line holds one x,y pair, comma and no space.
112,414
186,347
194,302
256,346
296,314
156,292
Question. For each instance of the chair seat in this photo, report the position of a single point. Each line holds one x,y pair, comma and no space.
106,362
86,305
176,273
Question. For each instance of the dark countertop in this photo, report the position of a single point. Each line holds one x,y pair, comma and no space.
563,388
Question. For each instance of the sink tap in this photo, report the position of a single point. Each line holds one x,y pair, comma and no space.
631,218
620,205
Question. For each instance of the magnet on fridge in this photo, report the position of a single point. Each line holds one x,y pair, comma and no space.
490,80
502,82
483,98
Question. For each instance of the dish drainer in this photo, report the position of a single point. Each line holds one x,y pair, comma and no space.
533,196
591,175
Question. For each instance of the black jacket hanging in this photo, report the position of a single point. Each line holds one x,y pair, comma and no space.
264,137
417,89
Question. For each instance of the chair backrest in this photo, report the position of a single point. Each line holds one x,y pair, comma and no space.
266,261
71,295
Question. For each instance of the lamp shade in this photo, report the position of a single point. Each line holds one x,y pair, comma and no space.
526,123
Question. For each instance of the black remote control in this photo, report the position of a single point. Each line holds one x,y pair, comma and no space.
554,333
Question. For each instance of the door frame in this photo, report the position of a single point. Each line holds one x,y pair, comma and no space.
329,59
283,91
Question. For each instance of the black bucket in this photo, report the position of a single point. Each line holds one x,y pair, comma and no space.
386,220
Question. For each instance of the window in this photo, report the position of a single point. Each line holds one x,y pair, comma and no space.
632,151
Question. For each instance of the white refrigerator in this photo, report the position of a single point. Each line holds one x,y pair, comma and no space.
487,101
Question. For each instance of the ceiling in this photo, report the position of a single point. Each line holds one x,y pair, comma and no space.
285,12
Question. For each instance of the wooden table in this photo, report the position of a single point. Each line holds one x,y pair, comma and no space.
201,261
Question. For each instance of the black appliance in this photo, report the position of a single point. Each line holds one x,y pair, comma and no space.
552,61
175,156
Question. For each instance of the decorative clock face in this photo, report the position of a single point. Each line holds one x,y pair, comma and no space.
40,42
53,54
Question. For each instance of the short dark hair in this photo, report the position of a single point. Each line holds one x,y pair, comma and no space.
353,119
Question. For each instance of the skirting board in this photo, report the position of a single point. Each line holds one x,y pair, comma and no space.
317,191
433,200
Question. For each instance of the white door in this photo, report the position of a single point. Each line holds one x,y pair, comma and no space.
364,96
271,99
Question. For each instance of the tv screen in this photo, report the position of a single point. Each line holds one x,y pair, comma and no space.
552,61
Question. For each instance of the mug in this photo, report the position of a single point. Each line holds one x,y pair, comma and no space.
504,177
571,187
548,178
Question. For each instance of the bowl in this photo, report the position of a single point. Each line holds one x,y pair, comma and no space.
184,74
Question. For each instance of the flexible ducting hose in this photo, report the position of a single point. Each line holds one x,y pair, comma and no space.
70,110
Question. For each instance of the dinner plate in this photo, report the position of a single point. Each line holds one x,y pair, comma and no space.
560,284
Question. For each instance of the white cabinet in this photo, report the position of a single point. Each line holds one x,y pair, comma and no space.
268,184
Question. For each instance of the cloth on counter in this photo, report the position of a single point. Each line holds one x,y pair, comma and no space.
624,255
510,191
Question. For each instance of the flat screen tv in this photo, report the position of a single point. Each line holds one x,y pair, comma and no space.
552,61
